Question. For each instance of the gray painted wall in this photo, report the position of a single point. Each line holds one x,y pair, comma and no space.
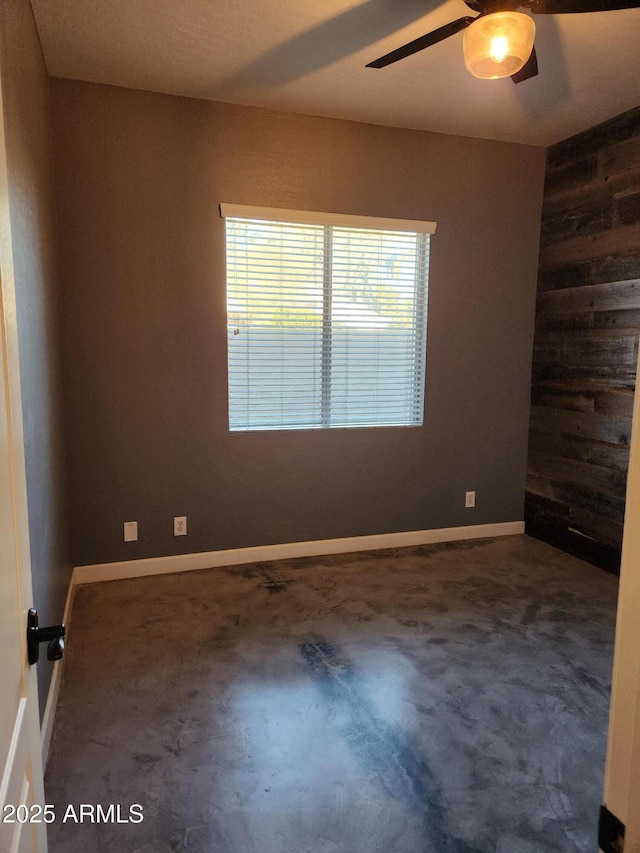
25,88
139,179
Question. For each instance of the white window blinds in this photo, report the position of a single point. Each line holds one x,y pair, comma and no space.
326,324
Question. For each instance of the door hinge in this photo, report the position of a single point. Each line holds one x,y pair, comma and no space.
610,832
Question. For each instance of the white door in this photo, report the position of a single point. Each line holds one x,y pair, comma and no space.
21,788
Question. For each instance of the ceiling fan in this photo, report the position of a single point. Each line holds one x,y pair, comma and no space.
499,41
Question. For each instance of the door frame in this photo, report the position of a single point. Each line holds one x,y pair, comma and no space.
622,770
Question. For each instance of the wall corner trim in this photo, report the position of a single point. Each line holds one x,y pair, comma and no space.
288,550
46,727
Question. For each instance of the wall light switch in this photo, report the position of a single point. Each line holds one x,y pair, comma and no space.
130,531
180,525
470,500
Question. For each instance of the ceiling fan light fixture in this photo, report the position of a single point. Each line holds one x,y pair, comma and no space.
499,44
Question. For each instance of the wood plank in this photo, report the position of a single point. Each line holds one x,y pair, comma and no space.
621,319
626,207
582,322
596,478
546,509
584,386
563,397
623,266
570,174
606,506
608,134
614,456
589,247
587,352
621,158
569,357
591,217
555,371
602,529
598,190
588,209
612,296
601,555
611,332
616,402
583,424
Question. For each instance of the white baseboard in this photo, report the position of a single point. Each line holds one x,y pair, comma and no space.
288,550
46,727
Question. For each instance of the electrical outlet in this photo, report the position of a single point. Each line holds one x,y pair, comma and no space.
180,525
470,500
130,531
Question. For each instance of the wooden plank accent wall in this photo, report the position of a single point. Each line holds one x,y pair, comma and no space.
586,341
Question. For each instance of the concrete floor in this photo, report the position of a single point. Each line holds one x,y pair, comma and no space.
424,700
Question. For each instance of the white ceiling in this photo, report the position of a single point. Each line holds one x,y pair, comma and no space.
309,56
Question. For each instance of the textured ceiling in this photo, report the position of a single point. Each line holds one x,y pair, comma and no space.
309,57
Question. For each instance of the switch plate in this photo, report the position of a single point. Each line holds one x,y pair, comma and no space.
470,500
130,531
180,525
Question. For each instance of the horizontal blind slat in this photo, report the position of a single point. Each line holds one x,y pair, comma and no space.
374,334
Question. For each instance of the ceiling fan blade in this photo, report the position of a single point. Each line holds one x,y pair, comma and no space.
528,70
422,42
562,7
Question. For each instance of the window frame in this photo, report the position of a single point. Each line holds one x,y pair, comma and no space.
330,221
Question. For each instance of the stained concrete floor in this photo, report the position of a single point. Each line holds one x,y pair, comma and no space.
424,700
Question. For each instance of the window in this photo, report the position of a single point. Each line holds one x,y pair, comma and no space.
326,319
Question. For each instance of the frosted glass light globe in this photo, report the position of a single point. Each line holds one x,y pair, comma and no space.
498,45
